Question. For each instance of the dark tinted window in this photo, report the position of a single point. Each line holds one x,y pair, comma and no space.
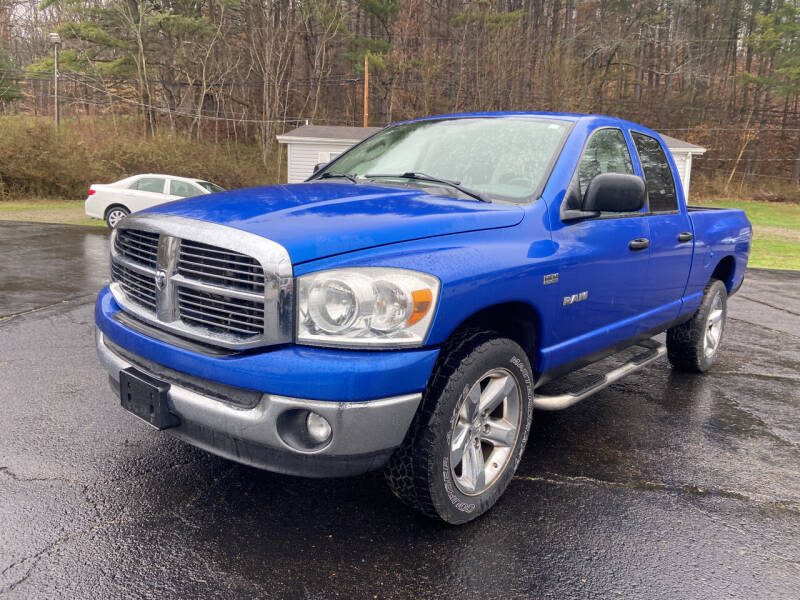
605,152
661,194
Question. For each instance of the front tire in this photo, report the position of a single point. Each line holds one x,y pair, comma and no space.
693,346
467,438
115,214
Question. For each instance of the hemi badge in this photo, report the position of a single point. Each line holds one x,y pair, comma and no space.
551,278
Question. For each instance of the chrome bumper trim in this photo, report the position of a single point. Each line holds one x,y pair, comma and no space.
359,428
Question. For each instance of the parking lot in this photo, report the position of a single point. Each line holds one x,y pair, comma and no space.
664,485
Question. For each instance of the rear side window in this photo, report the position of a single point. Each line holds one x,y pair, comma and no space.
211,187
661,194
149,184
182,189
605,152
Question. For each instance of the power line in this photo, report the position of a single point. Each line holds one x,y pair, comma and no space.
746,159
203,114
242,119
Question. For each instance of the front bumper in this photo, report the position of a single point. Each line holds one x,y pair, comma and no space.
364,434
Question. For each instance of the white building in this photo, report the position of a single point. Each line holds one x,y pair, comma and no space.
311,145
683,152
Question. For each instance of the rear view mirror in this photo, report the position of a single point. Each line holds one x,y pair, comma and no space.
615,192
318,166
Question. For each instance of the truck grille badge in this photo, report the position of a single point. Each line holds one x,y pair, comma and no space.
161,280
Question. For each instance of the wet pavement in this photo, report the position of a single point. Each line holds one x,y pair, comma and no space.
664,485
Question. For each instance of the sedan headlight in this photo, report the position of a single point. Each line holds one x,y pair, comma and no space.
365,307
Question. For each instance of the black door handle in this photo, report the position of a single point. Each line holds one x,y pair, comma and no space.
639,244
685,237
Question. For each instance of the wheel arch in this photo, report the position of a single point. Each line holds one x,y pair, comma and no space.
517,320
724,271
112,206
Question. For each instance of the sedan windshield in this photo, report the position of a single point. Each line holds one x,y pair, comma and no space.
500,158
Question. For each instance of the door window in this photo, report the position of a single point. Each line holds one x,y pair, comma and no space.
182,189
661,194
605,152
211,187
149,184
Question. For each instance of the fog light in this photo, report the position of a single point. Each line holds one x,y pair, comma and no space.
318,427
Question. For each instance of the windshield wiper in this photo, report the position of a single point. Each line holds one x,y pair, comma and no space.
424,177
329,175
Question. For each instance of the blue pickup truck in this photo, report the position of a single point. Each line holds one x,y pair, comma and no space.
400,309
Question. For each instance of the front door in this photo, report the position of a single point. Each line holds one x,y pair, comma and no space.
603,275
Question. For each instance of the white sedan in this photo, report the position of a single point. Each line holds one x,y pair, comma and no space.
113,201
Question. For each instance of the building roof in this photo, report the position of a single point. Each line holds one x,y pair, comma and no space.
676,144
342,134
327,133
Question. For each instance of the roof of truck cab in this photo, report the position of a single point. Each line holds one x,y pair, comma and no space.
593,119
546,115
346,134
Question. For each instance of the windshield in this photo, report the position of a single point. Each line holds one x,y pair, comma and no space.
504,158
211,187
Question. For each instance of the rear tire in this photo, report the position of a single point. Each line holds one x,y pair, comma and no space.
470,431
114,214
693,346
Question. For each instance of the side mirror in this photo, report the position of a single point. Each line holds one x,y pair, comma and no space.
318,166
615,192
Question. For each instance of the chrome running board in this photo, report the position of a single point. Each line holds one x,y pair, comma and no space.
653,351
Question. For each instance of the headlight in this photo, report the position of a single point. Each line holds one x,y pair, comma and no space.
365,307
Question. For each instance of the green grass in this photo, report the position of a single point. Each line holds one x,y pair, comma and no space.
69,212
776,232
769,214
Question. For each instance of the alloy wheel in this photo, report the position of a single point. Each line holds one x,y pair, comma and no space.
485,432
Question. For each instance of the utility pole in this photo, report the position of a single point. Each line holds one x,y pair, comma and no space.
366,90
55,39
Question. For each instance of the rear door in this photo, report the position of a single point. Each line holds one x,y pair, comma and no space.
146,192
602,279
671,233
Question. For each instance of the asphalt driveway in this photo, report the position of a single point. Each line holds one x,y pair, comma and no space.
664,485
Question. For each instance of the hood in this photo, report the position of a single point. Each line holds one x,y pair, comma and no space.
319,219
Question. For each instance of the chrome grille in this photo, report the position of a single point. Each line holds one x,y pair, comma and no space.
138,246
138,287
220,267
203,281
221,313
